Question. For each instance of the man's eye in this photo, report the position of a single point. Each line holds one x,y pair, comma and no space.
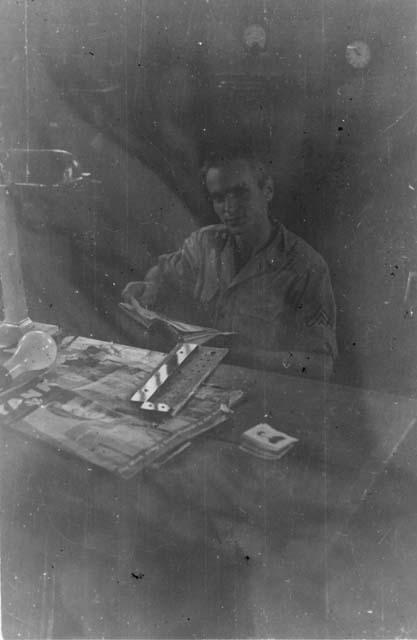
237,193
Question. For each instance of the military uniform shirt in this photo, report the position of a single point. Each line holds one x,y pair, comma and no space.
281,299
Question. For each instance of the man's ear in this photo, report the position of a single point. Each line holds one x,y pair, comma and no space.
268,189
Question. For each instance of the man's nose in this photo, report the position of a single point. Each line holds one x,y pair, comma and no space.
229,202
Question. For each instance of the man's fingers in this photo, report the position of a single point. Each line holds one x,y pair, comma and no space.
145,293
149,297
133,290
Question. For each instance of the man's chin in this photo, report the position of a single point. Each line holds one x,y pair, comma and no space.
237,229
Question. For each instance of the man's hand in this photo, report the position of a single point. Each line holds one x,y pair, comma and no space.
144,292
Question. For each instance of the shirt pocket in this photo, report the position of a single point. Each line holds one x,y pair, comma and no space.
259,302
256,318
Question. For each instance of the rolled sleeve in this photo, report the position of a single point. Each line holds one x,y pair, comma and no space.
179,269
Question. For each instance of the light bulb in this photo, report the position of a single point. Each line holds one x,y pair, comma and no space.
36,351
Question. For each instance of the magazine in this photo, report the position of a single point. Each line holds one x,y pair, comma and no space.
83,407
182,331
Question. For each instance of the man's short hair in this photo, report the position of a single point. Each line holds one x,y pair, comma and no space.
222,158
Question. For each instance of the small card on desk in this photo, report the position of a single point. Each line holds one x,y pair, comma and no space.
265,442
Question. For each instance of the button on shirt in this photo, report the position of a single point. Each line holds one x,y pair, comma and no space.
281,299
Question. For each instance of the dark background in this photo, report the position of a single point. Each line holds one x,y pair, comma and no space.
137,90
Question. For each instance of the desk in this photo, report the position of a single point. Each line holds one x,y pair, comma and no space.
217,543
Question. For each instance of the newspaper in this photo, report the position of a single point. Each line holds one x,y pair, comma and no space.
182,331
83,407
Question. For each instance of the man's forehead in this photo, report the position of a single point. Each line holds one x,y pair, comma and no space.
235,171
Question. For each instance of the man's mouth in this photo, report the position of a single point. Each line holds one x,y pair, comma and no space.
235,221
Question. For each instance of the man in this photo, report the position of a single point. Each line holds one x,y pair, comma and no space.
251,276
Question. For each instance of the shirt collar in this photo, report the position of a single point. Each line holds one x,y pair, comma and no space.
268,258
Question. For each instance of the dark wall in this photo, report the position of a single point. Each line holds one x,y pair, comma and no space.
148,85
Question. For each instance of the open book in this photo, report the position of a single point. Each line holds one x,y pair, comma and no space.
183,331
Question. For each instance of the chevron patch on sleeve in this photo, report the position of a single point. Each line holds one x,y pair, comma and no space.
319,318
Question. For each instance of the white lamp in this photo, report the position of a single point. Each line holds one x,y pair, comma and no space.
16,320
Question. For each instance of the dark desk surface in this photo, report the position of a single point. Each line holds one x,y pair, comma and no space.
216,543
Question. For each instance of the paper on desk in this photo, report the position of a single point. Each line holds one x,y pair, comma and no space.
83,408
85,362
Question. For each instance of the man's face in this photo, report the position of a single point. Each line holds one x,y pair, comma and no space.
238,200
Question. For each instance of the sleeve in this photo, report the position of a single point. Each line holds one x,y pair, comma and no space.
179,270
316,313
